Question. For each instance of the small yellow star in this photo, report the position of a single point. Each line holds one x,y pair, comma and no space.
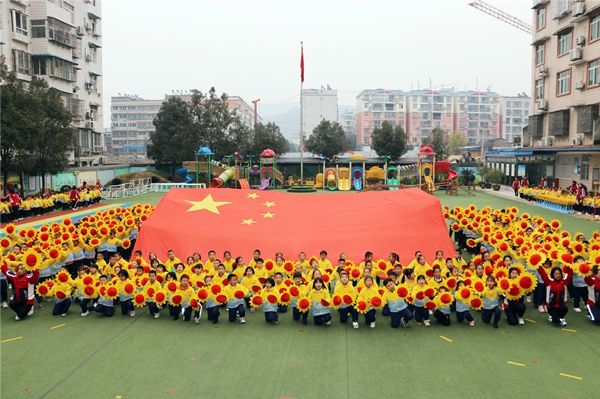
253,196
269,204
248,221
207,204
268,215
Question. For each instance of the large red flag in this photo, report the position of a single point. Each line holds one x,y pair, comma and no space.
190,220
301,62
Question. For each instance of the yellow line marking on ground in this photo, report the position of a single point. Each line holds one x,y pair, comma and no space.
568,330
58,326
446,339
10,339
531,321
515,363
571,376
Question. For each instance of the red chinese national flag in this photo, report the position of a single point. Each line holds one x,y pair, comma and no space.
190,220
301,62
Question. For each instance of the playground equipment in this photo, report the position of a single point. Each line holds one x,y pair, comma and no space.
427,168
187,176
319,180
375,174
330,179
357,178
228,174
343,179
203,153
269,174
392,178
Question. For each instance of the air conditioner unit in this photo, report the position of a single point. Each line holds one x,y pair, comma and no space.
577,142
547,141
580,40
542,105
89,125
543,70
576,54
88,57
578,8
79,31
580,85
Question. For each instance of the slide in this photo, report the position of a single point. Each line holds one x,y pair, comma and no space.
319,180
452,174
357,178
393,184
344,179
187,176
223,178
265,184
430,185
244,184
330,179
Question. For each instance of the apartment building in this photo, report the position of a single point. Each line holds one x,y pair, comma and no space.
515,114
132,120
373,107
131,124
566,86
60,41
318,105
477,114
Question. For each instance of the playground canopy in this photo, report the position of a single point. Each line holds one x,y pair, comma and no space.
190,220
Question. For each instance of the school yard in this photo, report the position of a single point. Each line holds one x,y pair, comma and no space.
122,357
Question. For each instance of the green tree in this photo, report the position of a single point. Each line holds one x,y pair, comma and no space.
268,136
389,140
456,141
328,139
36,128
52,136
438,141
174,139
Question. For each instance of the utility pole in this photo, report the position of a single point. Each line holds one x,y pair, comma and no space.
255,103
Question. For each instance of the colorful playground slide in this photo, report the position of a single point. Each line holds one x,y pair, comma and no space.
357,178
330,179
265,184
187,176
319,180
244,185
344,179
392,174
223,178
429,182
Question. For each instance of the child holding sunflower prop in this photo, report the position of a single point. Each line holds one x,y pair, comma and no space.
320,300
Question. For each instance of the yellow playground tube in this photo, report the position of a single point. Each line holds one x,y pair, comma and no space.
427,173
319,180
344,179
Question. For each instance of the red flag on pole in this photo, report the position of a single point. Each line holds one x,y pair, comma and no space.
301,62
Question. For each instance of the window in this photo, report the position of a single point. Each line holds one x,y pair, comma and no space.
61,32
565,42
595,27
563,83
540,18
539,89
593,73
389,107
39,66
38,28
22,62
19,22
585,167
539,54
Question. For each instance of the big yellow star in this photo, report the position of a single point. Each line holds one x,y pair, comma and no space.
268,215
269,204
252,196
248,221
207,204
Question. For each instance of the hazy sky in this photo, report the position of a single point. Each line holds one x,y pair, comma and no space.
251,48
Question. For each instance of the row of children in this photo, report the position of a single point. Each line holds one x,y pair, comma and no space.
13,207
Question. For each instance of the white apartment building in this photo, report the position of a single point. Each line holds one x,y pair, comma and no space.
60,41
564,120
348,121
318,105
131,124
515,114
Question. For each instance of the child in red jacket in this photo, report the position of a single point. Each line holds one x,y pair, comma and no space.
556,293
23,284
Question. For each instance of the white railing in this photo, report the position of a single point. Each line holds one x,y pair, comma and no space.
134,187
164,187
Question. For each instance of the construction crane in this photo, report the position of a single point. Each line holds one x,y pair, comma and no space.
502,16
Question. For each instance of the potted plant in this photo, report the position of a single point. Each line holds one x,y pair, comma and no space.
485,172
495,178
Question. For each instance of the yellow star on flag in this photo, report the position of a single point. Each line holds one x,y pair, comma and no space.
207,204
269,204
252,196
268,215
248,221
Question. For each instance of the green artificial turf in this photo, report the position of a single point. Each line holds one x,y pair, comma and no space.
140,357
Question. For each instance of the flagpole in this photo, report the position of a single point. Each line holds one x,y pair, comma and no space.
301,116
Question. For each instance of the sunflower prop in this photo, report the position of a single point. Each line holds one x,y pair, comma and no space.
443,300
361,307
256,301
112,292
284,298
160,297
31,260
139,300
45,288
476,303
89,291
583,269
304,305
176,299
